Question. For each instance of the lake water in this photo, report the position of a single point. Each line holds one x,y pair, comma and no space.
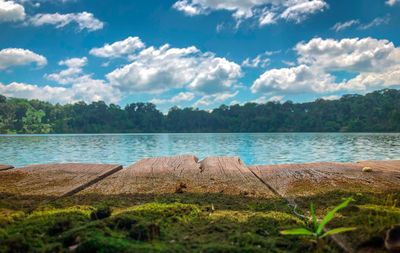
253,148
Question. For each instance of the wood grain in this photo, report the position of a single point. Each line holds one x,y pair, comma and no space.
148,176
229,175
5,167
55,180
314,178
181,174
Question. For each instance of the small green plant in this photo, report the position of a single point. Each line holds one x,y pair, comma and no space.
318,228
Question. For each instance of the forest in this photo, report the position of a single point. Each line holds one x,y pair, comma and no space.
378,111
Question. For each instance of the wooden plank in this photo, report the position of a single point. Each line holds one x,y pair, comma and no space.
53,180
182,174
5,167
230,175
388,166
308,179
148,176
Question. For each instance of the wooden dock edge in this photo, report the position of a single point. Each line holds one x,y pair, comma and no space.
4,167
92,182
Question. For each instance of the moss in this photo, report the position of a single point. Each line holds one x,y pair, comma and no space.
8,216
101,213
187,223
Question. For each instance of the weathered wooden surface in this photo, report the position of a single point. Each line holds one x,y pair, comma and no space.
229,175
314,178
5,167
182,174
54,180
212,175
385,166
152,176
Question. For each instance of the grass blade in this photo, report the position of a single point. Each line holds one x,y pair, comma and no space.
337,231
297,231
314,217
331,214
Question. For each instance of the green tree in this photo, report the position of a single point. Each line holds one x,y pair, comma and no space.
32,122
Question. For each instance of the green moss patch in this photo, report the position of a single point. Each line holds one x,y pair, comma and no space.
187,223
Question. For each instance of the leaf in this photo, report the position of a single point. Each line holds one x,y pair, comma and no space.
314,217
337,231
331,214
297,231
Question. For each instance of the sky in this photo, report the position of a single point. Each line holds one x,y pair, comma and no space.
197,53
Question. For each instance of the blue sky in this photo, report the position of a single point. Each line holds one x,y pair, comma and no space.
199,53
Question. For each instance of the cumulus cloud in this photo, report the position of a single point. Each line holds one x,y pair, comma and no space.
29,91
11,11
81,85
264,11
158,69
72,73
375,63
84,20
119,48
355,54
11,57
208,100
88,91
374,80
180,97
300,79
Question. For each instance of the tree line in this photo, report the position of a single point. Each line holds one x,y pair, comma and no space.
378,111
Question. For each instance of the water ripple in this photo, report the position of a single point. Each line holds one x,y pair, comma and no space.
253,148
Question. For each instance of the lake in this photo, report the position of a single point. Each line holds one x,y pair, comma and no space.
253,148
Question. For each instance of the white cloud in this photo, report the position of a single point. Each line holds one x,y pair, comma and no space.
180,97
260,60
376,22
11,11
119,48
208,100
374,80
46,93
11,57
300,79
87,90
187,8
72,73
289,63
235,102
331,97
265,99
267,18
156,70
84,20
81,85
376,64
275,99
391,2
342,26
355,54
266,12
300,10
